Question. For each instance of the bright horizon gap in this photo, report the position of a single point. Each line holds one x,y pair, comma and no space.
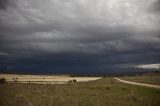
149,66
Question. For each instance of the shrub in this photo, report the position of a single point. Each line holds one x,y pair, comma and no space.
15,79
2,81
74,80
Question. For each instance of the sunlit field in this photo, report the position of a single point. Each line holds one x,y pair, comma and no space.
44,79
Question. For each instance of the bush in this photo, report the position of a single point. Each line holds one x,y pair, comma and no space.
2,81
74,80
15,79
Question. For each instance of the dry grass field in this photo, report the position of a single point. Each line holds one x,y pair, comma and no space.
102,92
44,79
150,78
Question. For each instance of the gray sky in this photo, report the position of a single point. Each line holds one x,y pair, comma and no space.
85,34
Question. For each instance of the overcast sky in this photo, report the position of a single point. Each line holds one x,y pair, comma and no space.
78,35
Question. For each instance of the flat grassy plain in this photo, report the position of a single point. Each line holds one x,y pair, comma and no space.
103,92
150,78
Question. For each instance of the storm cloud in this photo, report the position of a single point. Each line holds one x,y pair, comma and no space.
92,36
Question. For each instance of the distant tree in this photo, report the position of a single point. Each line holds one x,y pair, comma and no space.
15,79
74,80
3,81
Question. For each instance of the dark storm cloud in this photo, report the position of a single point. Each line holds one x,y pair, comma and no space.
156,6
3,4
78,35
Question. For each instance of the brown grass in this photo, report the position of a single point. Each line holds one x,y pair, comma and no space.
103,92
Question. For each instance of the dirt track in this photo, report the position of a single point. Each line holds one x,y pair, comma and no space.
139,84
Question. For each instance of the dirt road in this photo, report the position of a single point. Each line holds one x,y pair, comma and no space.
139,84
